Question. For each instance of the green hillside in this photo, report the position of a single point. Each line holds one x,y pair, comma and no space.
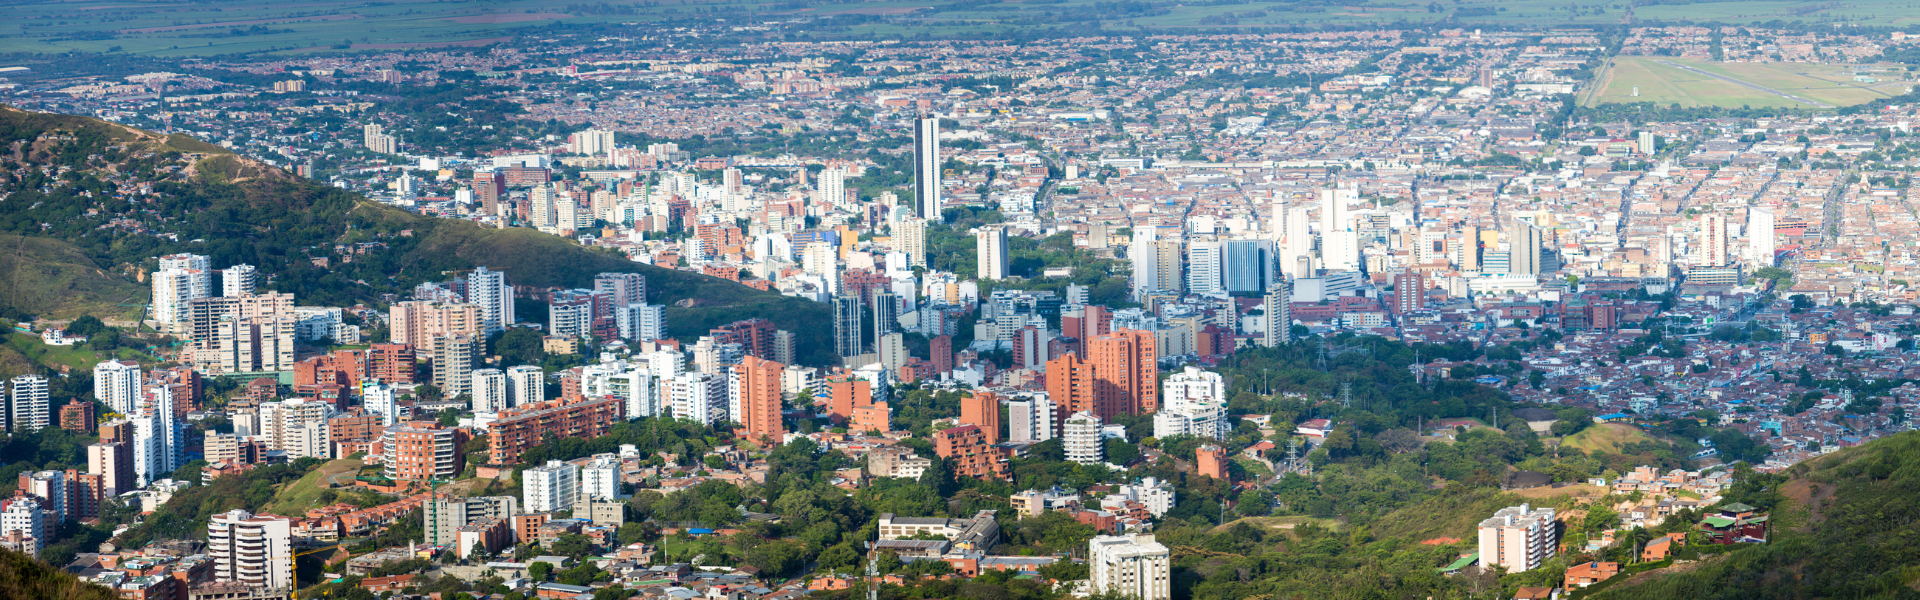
239,211
1844,526
23,577
48,277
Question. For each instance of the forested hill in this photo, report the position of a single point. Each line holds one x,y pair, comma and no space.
121,197
1844,526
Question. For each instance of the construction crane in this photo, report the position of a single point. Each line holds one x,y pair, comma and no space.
293,571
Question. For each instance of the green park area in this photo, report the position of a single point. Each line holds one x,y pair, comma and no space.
1665,80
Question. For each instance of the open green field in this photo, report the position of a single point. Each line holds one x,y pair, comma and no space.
1605,437
72,357
189,28
307,492
1664,84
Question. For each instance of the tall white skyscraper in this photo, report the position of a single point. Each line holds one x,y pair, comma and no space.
699,397
552,487
591,142
1296,244
236,280
489,391
1144,254
1278,306
30,403
117,384
1523,254
1081,434
490,291
190,262
378,398
251,549
158,439
991,243
1203,269
641,322
910,236
1760,240
600,479
23,514
926,167
172,289
831,188
1030,418
526,384
1194,402
1339,243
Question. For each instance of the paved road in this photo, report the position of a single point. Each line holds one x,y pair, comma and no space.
1746,85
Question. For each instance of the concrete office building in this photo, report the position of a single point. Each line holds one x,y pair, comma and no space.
1132,566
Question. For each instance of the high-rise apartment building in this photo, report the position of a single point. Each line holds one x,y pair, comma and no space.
31,406
23,515
113,462
1196,404
237,280
1126,368
641,322
910,237
1030,418
526,384
967,450
983,409
251,549
1711,246
116,384
1760,238
698,396
927,167
1523,253
600,479
1131,566
520,428
591,142
490,391
490,291
990,243
831,187
550,487
454,359
417,322
422,451
379,399
622,289
760,399
1409,292
1278,308
847,321
1203,269
1518,538
1080,435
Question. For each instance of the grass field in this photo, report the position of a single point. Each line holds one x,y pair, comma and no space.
211,28
72,357
51,278
1280,522
1605,437
1664,84
1542,493
303,494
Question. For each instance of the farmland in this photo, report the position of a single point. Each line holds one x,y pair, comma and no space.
1664,80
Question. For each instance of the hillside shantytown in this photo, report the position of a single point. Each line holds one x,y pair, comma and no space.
716,308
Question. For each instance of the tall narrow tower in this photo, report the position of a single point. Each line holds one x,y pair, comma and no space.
926,167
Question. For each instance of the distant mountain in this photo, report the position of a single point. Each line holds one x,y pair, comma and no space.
97,202
1843,526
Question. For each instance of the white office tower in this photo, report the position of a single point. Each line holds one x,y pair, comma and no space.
30,403
489,290
541,212
1339,243
236,281
591,142
1296,244
636,387
1711,242
1518,538
641,322
490,392
926,167
23,514
820,258
1131,566
526,384
1144,254
991,245
831,189
910,236
378,398
1203,269
1523,254
600,479
1760,240
700,397
551,487
188,262
256,550
117,384
1081,434
624,289
1277,324
1193,402
1030,418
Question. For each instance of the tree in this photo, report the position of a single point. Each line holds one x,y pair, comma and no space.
1398,440
540,571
